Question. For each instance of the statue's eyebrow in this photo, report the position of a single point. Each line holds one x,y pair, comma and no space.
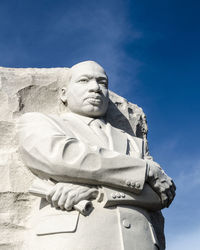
102,78
99,78
88,76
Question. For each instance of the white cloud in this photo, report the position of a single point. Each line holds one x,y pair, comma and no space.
70,33
100,34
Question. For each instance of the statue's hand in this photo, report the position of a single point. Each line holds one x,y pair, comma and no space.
65,195
161,183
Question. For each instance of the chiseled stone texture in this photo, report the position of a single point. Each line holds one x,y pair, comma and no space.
37,90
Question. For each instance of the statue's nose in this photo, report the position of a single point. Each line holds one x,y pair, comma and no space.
94,86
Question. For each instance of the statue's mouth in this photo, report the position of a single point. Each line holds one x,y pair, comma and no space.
94,100
94,96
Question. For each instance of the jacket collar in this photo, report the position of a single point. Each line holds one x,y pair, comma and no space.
117,138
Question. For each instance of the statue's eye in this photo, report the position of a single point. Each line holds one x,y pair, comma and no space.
103,82
83,80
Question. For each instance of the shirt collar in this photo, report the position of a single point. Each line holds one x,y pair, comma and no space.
87,120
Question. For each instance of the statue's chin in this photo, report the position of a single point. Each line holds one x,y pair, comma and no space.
93,113
90,110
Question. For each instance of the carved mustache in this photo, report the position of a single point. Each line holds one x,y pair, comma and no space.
98,96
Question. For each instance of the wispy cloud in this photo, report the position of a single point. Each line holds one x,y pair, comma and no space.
69,32
100,34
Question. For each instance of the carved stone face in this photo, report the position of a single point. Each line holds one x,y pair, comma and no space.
87,92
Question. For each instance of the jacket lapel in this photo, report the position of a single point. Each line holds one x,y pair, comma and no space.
126,144
118,139
81,130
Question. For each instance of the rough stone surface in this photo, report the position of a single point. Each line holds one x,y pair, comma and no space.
28,90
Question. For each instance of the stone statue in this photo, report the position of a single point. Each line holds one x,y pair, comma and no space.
98,182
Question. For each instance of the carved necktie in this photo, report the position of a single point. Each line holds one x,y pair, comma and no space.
99,128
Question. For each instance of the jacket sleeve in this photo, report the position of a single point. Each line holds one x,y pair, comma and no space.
51,150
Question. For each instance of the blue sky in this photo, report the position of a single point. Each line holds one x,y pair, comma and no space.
151,51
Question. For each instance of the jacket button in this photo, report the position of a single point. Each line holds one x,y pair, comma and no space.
118,195
132,184
113,196
137,185
128,183
123,195
126,223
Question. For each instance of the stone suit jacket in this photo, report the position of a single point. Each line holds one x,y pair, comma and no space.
66,149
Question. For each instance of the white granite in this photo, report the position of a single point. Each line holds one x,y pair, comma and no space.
106,159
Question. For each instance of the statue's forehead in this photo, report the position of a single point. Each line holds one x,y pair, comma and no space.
90,69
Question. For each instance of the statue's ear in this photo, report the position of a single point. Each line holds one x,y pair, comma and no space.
63,95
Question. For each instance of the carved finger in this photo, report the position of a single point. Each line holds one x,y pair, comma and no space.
55,197
70,201
173,191
170,198
50,193
164,199
87,194
91,193
173,184
62,199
